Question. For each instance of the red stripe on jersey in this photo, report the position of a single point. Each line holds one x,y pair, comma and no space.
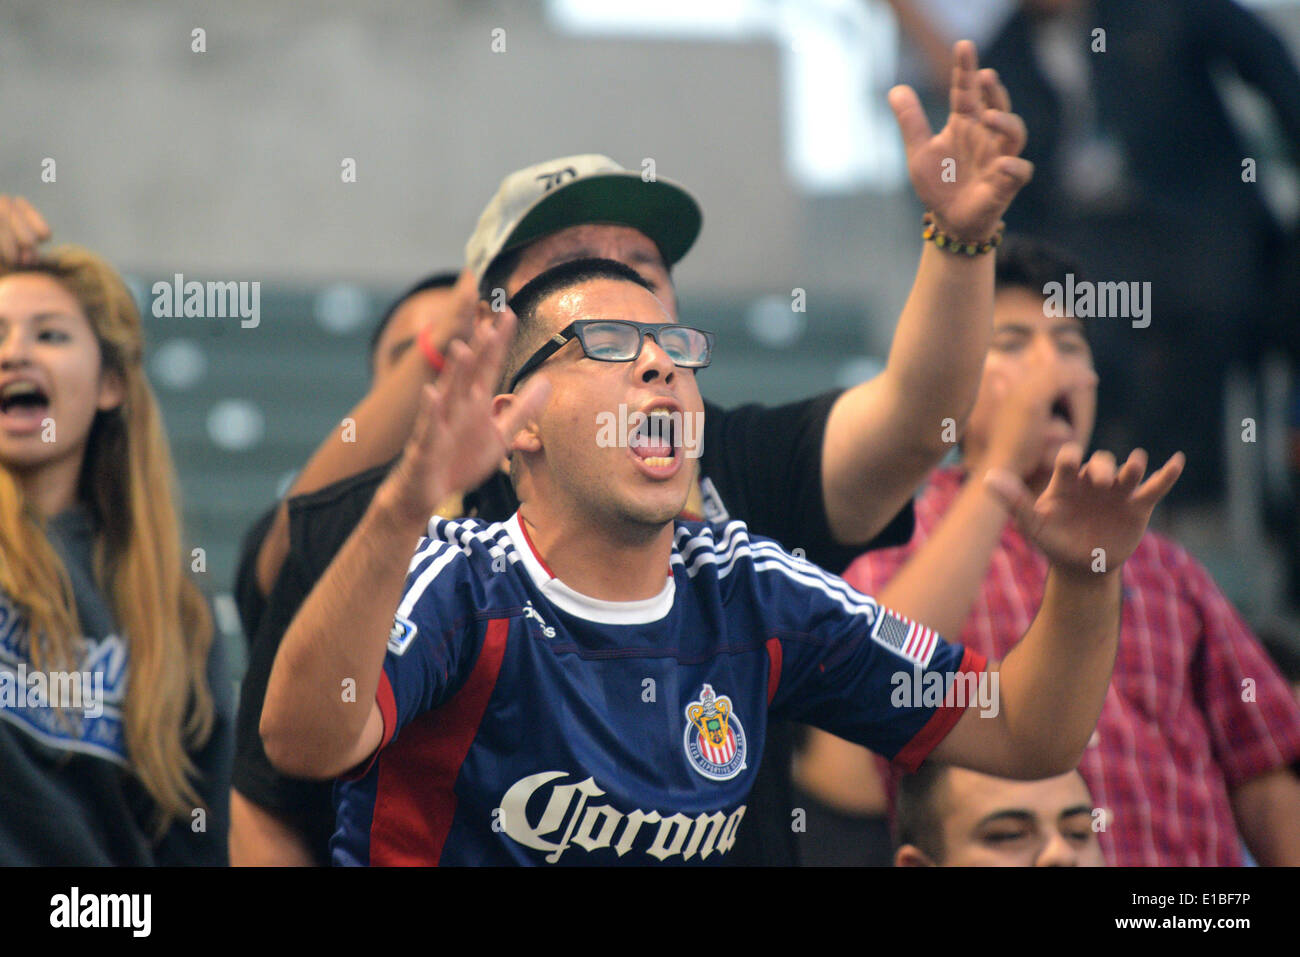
388,712
387,708
523,527
911,755
774,657
538,555
415,800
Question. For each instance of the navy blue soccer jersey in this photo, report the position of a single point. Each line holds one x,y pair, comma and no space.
526,723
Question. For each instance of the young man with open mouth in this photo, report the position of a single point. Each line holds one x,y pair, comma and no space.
590,682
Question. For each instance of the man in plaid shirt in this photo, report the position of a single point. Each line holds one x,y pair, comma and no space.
1198,741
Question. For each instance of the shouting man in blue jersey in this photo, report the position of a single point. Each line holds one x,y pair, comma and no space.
591,681
831,475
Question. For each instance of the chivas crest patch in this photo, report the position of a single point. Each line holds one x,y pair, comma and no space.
714,739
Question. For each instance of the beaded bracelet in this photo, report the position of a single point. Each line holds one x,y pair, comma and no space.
932,233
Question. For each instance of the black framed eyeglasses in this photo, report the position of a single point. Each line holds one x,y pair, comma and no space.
620,340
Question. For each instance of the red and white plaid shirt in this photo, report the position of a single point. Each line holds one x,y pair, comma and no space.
1181,725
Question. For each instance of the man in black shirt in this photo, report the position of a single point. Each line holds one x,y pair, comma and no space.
825,475
429,301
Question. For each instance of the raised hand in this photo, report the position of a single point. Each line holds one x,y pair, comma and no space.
968,173
1088,508
457,322
22,230
457,440
1023,425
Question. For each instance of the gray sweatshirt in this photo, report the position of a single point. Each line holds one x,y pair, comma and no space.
67,795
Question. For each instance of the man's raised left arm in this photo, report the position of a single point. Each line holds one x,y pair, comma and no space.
1052,683
883,436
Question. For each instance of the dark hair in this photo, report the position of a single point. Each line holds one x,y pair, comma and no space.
499,270
916,817
543,286
1022,262
437,280
1032,263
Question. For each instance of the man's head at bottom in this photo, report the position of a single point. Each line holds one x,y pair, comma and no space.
565,461
952,817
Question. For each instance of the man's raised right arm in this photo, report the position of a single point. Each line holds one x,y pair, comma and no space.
310,727
380,424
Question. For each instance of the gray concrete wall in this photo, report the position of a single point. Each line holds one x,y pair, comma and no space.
228,162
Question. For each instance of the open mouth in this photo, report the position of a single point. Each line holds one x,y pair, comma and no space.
24,399
655,440
1061,410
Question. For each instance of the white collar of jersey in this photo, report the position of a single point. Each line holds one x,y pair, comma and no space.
641,612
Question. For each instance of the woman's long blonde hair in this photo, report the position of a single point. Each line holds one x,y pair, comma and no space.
128,485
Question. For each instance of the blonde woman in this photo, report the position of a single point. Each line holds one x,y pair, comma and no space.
115,705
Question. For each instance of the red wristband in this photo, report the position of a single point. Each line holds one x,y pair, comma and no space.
432,354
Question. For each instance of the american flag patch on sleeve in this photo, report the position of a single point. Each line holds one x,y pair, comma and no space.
904,637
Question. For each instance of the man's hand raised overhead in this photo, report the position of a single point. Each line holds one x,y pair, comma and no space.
458,440
968,173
